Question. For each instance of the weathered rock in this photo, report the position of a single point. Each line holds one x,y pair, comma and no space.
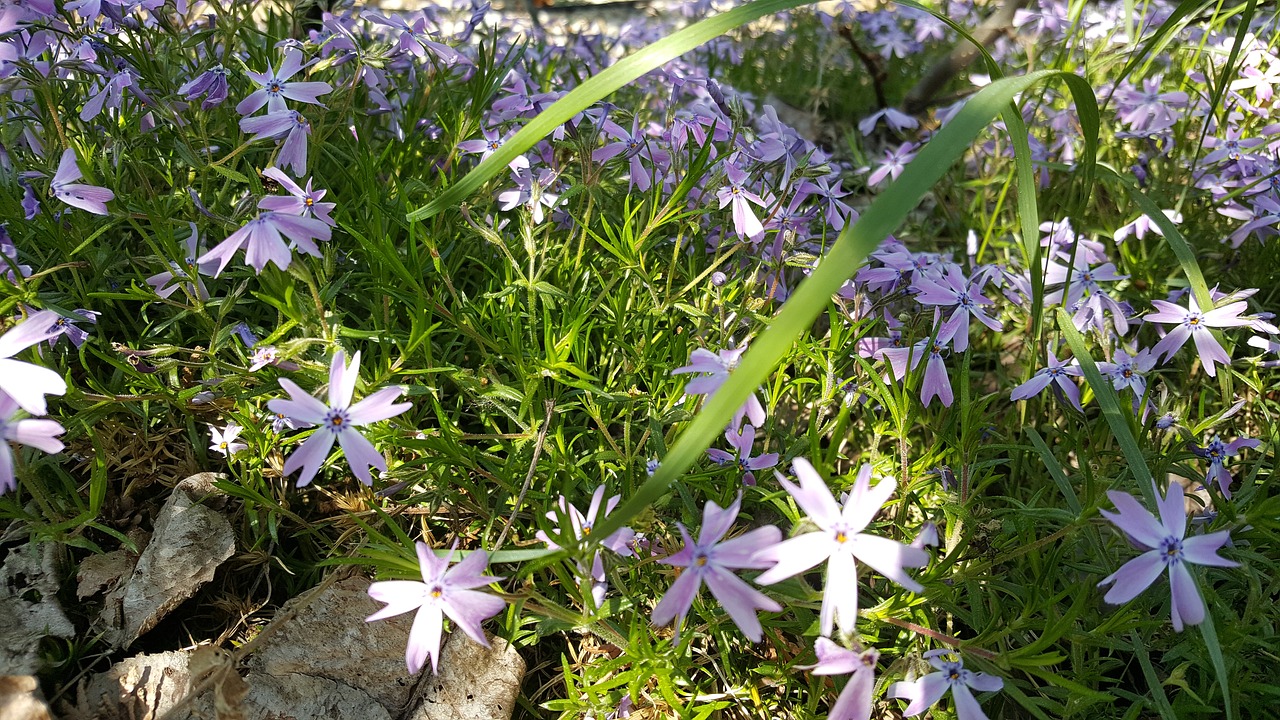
330,639
29,607
20,699
190,541
301,697
107,571
143,687
475,682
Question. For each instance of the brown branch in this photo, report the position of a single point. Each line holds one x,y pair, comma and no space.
922,95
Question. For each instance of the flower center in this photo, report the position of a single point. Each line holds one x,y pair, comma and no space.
436,591
700,560
274,87
1171,550
336,420
308,202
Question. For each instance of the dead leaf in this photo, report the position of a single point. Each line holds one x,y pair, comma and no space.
29,606
229,689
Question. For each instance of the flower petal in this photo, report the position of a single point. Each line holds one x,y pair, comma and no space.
1188,607
1203,550
401,596
378,406
794,556
27,384
813,496
310,456
740,600
1134,520
1133,577
675,603
361,454
469,608
424,639
889,557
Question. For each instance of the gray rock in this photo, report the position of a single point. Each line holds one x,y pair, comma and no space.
29,607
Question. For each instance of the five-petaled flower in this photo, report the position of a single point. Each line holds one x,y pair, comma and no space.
1217,453
224,441
39,434
443,591
718,366
840,541
274,87
89,198
1191,323
24,383
337,421
1167,548
581,525
711,560
951,675
854,702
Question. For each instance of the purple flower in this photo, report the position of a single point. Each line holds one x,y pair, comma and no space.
338,421
1167,548
89,198
24,383
895,119
534,194
718,367
895,161
952,290
1143,225
634,147
211,83
490,145
111,95
1058,373
936,383
63,327
39,434
10,268
745,222
1129,371
263,240
742,442
1191,323
951,675
711,560
274,87
840,541
443,591
854,702
293,152
580,525
298,202
1217,453
224,440
182,276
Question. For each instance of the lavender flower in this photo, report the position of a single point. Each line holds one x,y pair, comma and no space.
181,276
1058,373
291,123
490,145
742,442
951,675
1194,324
39,434
1217,453
840,541
854,702
64,326
224,439
1167,548
895,161
711,560
745,222
952,290
263,240
89,198
10,268
211,83
443,591
337,421
298,202
24,383
580,525
718,366
274,87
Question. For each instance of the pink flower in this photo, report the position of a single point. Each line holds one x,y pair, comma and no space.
717,367
338,421
443,591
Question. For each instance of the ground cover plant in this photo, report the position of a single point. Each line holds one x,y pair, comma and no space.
711,376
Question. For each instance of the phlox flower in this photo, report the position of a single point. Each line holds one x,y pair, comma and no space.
211,83
580,526
39,434
1194,324
444,591
338,421
181,276
936,383
1167,547
745,222
742,442
895,119
299,201
840,541
274,87
711,560
1143,225
22,382
111,95
10,268
952,675
263,239
224,440
952,290
89,198
854,702
534,194
291,124
1217,453
895,161
1058,373
717,367
491,143
1129,371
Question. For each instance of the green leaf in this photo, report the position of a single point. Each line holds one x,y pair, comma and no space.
230,174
